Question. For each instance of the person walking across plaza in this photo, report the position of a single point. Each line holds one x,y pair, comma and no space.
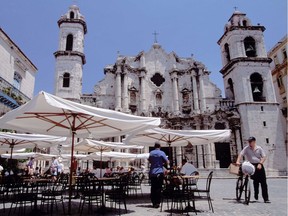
157,159
30,166
256,155
54,168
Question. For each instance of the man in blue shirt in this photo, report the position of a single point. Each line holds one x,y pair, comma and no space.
157,158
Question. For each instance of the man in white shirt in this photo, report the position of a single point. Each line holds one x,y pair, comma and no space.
256,155
188,168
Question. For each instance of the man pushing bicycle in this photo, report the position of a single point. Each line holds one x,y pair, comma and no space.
256,155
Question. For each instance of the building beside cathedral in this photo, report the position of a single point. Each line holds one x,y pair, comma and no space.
17,75
278,54
179,90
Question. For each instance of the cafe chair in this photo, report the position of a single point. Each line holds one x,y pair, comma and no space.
172,193
90,194
53,195
21,195
204,194
3,194
135,184
118,192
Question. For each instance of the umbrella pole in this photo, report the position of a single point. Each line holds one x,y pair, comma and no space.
170,155
71,172
11,151
101,164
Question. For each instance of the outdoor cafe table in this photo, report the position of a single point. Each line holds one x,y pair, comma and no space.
186,190
37,190
101,183
105,181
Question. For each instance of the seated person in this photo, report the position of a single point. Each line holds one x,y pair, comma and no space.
188,168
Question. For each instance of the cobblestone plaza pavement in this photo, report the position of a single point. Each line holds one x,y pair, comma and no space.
222,193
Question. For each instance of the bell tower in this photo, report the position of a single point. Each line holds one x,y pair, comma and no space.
70,56
248,81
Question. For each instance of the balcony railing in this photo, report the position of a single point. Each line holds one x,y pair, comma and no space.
10,95
226,104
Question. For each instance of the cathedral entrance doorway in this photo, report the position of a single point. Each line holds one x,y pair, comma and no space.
223,154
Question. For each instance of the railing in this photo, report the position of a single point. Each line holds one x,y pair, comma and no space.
10,95
226,104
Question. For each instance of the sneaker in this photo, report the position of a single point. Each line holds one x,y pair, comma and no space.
267,201
156,205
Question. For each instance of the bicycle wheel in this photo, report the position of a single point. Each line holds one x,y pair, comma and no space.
247,190
239,188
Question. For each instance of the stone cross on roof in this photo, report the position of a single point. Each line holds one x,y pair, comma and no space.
155,36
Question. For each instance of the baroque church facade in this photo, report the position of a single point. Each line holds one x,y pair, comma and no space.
160,84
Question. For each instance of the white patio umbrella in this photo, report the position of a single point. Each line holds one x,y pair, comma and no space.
89,145
26,155
5,150
176,137
48,114
117,156
68,156
12,140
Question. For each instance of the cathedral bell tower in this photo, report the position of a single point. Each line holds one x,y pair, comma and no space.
248,81
70,56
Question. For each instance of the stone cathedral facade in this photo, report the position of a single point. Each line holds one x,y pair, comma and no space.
179,90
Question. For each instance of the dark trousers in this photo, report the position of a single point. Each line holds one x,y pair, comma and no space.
156,187
259,177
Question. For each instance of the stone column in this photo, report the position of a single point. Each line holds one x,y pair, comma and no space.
195,95
200,152
249,88
213,154
126,162
238,140
202,92
178,155
125,92
207,148
118,139
118,89
142,92
175,93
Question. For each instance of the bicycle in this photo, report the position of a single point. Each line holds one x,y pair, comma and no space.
243,184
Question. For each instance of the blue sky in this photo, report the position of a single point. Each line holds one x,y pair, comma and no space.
185,26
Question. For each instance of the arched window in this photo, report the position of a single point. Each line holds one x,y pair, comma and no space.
71,15
227,52
66,80
244,23
231,88
17,80
69,42
250,48
257,87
